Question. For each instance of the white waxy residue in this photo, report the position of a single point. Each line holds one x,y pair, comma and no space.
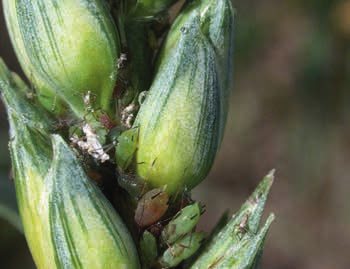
92,146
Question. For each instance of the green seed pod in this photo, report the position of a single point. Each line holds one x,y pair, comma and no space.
68,49
68,223
182,120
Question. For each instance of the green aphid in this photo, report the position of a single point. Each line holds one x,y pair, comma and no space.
182,224
113,134
148,245
126,148
182,249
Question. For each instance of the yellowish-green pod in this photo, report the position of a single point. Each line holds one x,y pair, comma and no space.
182,120
68,49
68,222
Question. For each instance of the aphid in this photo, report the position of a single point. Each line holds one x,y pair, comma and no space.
181,249
134,185
63,123
89,99
126,148
121,83
128,115
31,95
11,176
119,88
142,97
182,223
122,61
95,176
178,241
242,228
151,207
53,106
106,121
148,246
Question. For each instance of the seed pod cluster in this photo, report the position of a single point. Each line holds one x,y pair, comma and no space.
67,221
153,110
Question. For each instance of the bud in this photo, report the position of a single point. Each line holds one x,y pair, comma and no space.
86,229
67,49
182,120
67,221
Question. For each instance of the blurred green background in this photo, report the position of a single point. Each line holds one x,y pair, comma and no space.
290,112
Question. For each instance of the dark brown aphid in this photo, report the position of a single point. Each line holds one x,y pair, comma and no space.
120,85
64,123
106,121
11,175
95,176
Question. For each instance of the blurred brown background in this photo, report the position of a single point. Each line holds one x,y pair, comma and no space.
290,111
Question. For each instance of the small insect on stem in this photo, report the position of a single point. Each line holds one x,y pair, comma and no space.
31,95
181,249
54,103
119,88
122,61
89,99
106,121
151,207
242,228
128,115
